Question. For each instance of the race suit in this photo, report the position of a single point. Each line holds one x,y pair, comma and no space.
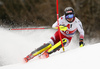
68,34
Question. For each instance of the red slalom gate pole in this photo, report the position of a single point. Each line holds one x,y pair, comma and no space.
58,25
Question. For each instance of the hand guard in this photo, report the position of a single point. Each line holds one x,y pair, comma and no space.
62,28
81,44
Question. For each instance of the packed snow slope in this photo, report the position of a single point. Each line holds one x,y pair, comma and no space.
15,45
87,57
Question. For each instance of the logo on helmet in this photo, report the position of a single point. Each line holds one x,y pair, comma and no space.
69,12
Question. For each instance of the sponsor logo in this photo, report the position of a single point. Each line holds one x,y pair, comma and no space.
69,12
67,32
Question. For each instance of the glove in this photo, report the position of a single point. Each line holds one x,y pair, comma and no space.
81,44
62,28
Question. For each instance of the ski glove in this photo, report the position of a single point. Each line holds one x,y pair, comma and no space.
62,28
81,44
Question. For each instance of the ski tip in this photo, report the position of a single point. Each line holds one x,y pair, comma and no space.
25,60
44,55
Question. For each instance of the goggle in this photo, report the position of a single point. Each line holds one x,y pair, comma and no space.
69,16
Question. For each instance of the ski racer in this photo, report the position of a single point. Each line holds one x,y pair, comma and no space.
68,25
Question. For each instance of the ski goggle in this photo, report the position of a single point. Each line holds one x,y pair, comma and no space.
69,16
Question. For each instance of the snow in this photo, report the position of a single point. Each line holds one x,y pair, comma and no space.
15,45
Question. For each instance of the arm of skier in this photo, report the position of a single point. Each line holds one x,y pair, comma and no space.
62,27
81,31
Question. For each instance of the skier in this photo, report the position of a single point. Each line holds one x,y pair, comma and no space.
68,25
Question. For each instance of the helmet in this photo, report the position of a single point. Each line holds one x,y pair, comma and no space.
69,12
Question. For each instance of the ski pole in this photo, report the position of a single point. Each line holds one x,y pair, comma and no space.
58,25
28,28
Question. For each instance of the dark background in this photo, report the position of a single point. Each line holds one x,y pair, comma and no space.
26,13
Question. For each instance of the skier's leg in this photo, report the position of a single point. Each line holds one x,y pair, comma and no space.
54,48
57,46
41,49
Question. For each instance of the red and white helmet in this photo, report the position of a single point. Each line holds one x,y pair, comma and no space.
69,12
